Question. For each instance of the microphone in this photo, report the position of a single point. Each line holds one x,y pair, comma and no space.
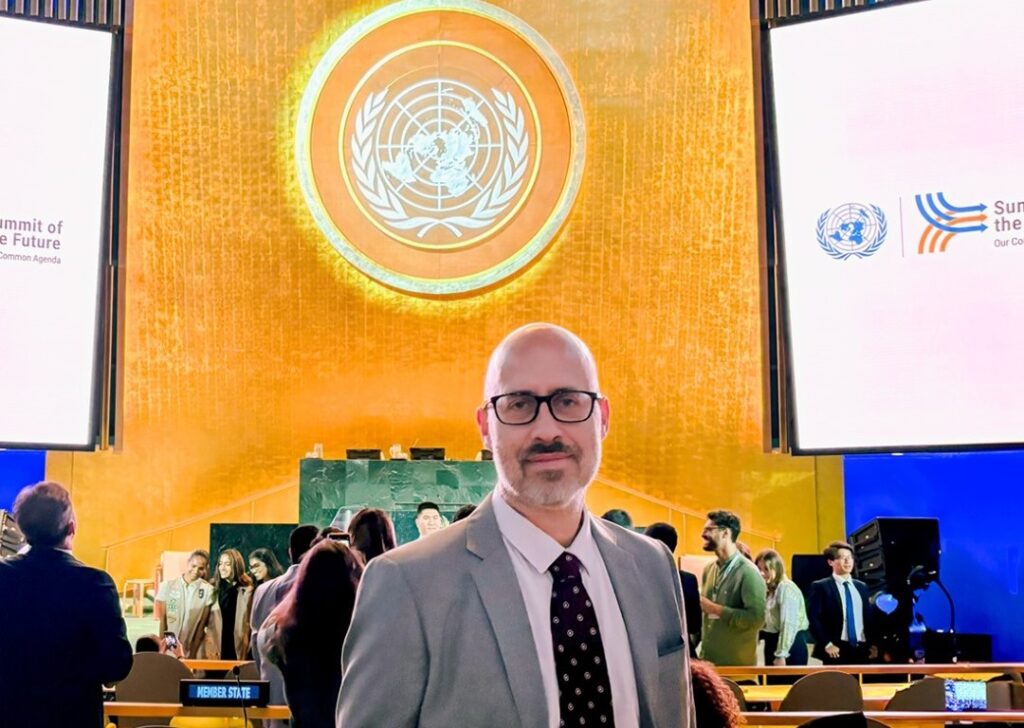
236,671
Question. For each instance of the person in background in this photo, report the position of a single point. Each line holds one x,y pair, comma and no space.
183,604
464,512
733,596
152,643
667,534
745,550
428,518
227,629
61,631
837,607
304,634
372,533
619,517
264,566
266,599
785,618
714,702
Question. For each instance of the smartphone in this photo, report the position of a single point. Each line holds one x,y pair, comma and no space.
170,641
344,537
964,695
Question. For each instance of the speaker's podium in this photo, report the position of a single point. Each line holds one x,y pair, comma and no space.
395,486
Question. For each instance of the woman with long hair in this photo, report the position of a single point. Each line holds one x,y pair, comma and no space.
372,533
227,631
785,617
264,566
304,634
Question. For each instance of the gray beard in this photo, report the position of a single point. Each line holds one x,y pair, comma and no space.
561,493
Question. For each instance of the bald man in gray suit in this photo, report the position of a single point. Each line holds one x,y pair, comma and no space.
530,612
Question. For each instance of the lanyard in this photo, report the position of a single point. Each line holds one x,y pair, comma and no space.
722,575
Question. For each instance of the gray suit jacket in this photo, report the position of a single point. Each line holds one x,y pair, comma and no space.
441,637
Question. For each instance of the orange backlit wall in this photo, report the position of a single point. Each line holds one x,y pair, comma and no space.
248,338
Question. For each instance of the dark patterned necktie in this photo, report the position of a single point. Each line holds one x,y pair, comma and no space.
584,691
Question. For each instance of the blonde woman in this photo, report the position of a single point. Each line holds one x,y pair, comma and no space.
785,617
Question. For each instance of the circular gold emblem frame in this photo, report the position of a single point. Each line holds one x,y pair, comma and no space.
524,252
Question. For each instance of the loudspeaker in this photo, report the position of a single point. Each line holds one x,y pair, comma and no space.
807,568
887,550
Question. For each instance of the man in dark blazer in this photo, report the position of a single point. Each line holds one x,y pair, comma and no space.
61,631
832,603
667,534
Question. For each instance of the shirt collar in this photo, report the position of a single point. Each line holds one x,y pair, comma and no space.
538,548
843,579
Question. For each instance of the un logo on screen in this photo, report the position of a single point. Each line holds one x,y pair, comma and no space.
852,230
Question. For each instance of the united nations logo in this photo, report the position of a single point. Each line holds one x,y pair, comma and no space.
852,230
440,145
440,153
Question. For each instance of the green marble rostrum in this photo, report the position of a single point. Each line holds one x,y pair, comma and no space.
396,486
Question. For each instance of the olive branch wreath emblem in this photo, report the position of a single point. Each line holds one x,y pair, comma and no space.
387,204
826,245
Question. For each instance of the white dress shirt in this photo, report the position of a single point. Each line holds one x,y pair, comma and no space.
858,607
532,551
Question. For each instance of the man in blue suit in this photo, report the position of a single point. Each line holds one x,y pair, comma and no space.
837,608
61,632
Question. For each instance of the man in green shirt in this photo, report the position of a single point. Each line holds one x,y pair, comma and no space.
732,596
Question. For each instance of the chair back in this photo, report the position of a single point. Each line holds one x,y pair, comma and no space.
840,720
1004,696
154,678
738,692
247,671
926,694
826,690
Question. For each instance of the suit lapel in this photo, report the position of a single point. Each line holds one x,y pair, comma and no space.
497,584
629,592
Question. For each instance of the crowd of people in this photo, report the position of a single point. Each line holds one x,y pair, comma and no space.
525,610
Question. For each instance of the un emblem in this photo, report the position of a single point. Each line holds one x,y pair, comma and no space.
852,230
440,153
440,145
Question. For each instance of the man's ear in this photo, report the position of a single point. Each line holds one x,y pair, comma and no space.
485,427
606,414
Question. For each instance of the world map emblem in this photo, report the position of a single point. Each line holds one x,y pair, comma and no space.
440,146
852,230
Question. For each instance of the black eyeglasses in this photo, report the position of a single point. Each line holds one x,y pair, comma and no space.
565,405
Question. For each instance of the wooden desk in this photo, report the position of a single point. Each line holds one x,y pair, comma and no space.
172,710
900,719
876,695
223,665
978,670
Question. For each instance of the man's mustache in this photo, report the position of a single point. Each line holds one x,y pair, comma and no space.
547,448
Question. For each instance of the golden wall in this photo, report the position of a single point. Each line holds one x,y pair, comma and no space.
248,338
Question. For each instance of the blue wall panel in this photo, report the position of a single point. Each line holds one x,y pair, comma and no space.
977,498
19,468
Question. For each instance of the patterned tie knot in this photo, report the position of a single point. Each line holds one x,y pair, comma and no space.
565,567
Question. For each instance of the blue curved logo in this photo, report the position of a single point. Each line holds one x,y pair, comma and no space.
946,220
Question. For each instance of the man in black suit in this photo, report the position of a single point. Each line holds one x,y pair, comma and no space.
832,604
691,590
61,631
